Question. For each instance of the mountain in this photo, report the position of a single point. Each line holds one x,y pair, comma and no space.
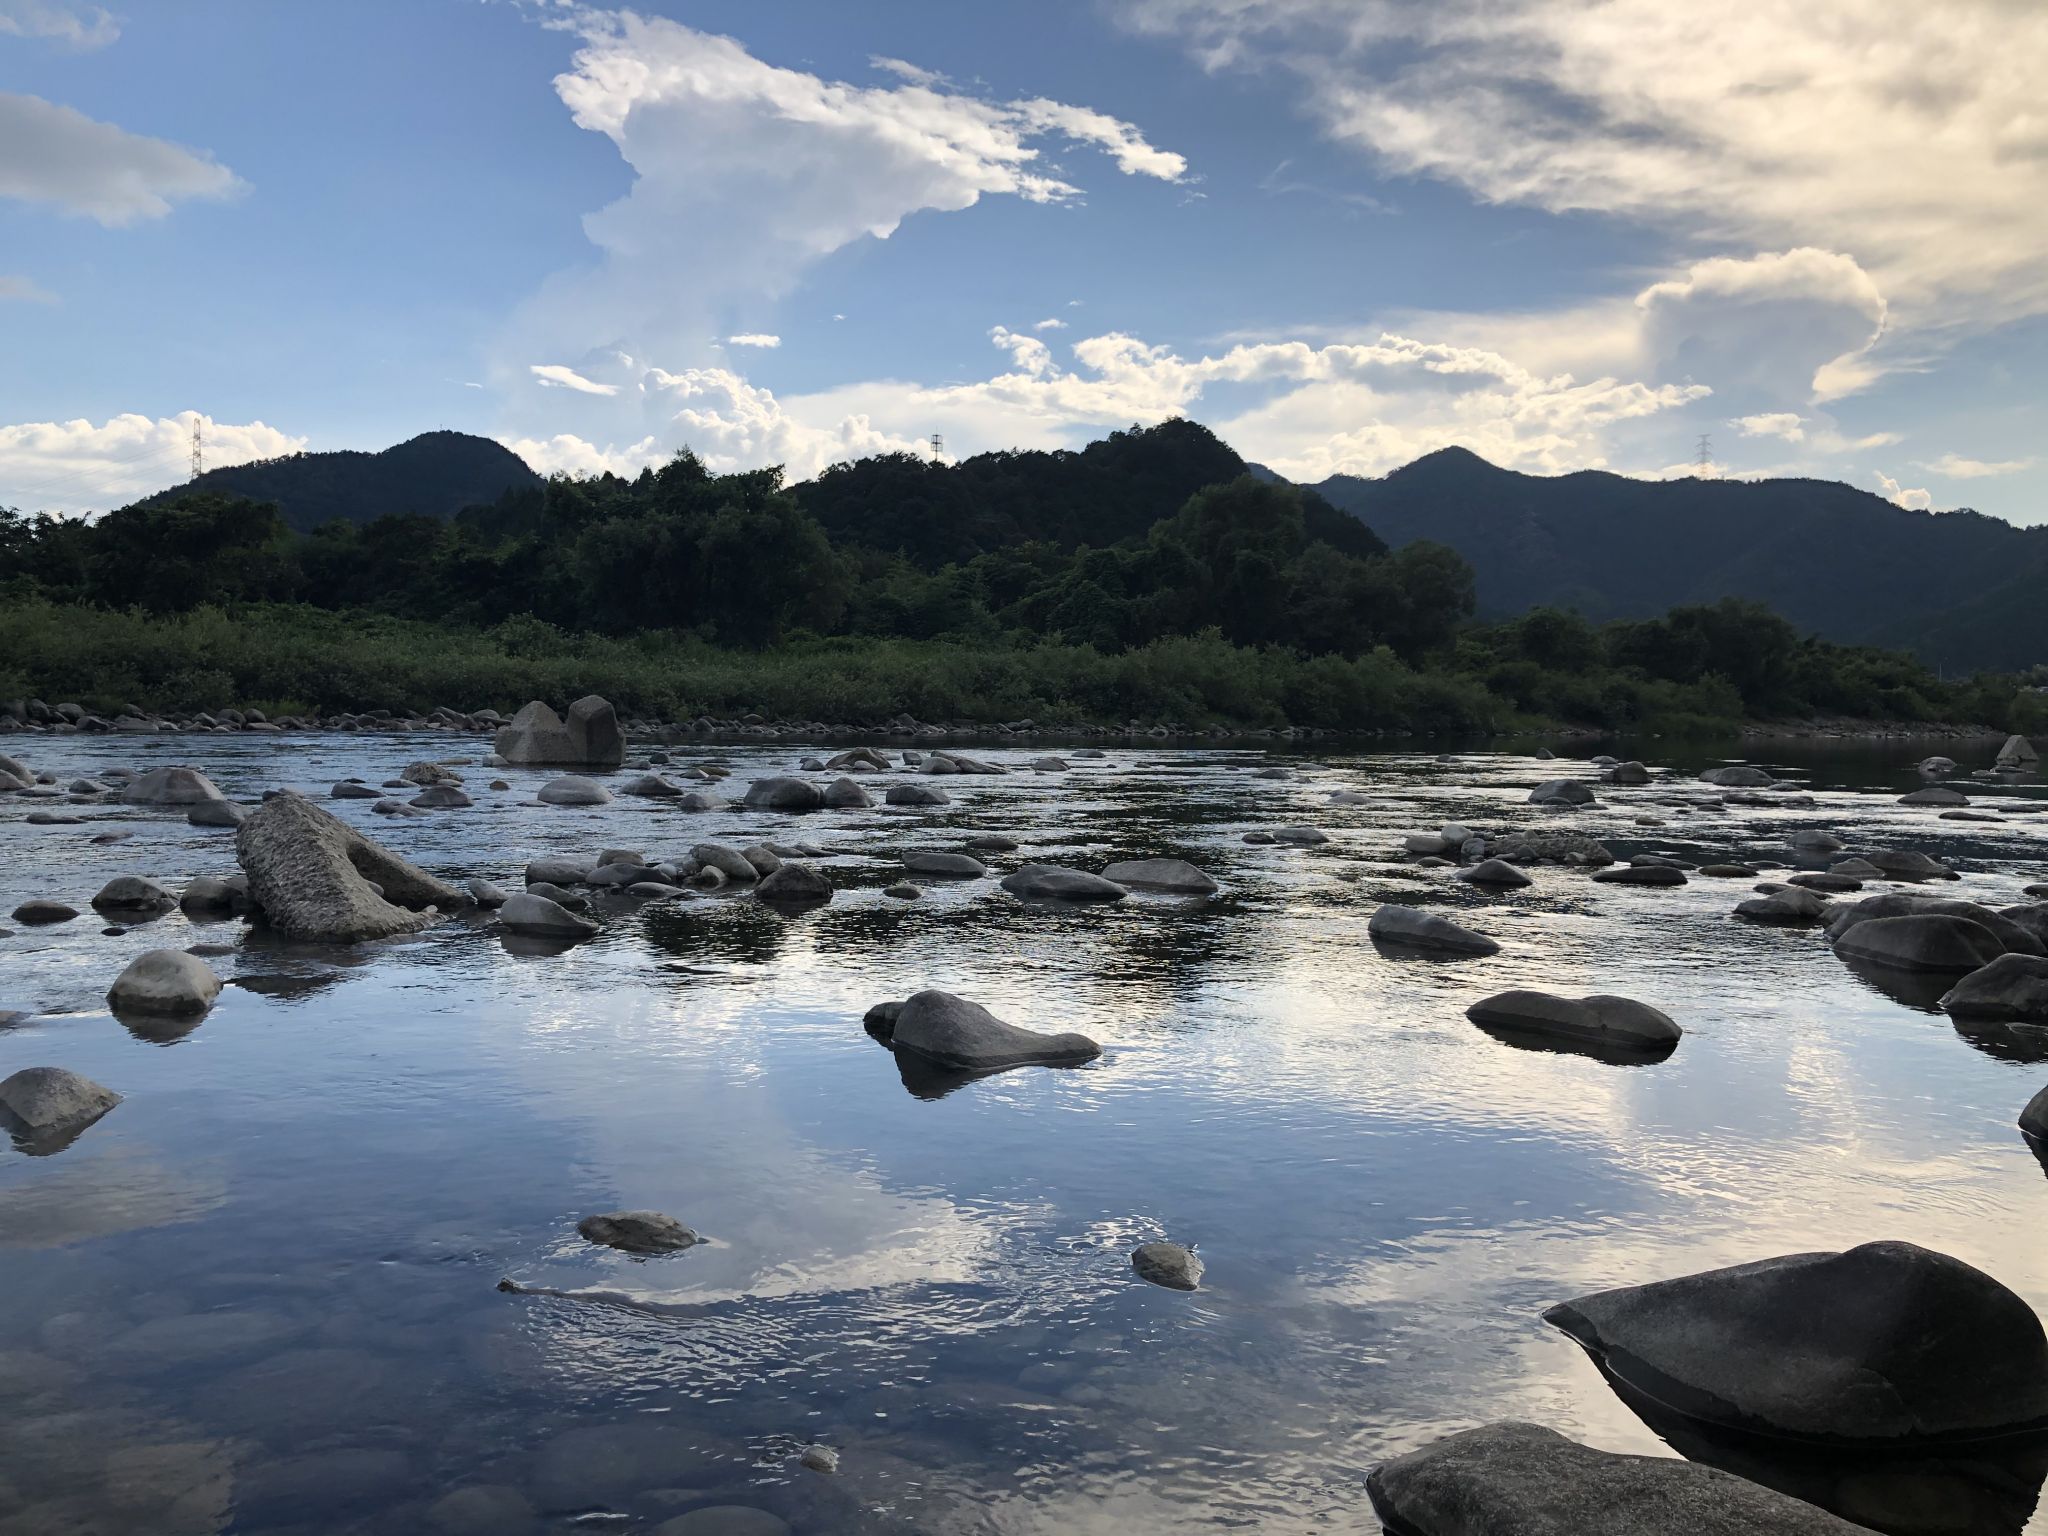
436,475
1959,588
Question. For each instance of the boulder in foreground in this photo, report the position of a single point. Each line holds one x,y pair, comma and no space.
1614,1022
43,1098
310,875
949,1031
164,981
1168,1264
588,738
2012,988
1514,1479
1415,929
1927,941
1887,1344
637,1232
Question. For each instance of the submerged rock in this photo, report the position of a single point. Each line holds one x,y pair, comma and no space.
1640,874
1168,1264
1416,929
1300,837
1174,875
638,1232
43,912
960,865
1935,794
311,875
1597,1020
949,1031
542,918
1885,1344
1561,792
2013,988
1050,882
164,981
1789,905
1513,1479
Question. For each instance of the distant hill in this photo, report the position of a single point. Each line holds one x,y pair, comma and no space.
436,474
1959,588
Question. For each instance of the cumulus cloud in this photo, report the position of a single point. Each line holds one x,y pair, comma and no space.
78,466
560,376
76,26
1052,323
567,454
1909,136
1899,496
1789,425
24,290
753,339
61,157
1956,467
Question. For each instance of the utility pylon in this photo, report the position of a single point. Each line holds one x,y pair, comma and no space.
198,450
1706,455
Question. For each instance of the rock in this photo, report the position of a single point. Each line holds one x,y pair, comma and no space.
1856,869
819,1458
538,916
1629,773
1415,929
1173,875
1425,842
1049,765
1299,837
2038,892
490,1509
2018,752
1790,905
588,738
1259,839
1739,776
784,795
217,813
651,786
559,869
792,884
1598,1020
207,893
310,874
1561,792
44,912
1924,942
1728,871
960,865
2031,920
623,873
1050,882
917,794
1640,874
47,1098
1349,797
1544,755
638,1232
2012,934
902,890
1907,865
132,893
424,773
1551,846
351,789
170,786
1494,872
951,1032
1887,1344
1813,841
1830,882
164,981
53,819
1935,794
440,797
2013,988
485,894
844,794
727,860
1511,1479
573,790
725,1520
1168,1264
1932,766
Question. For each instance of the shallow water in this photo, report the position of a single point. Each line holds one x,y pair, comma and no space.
261,1294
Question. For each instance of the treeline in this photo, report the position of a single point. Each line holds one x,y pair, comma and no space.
1149,576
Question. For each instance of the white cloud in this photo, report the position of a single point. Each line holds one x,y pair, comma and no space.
1812,432
1789,425
731,424
75,25
1899,496
753,339
77,466
1134,157
1911,136
903,69
1956,467
24,290
1737,319
62,157
1050,324
559,376
567,454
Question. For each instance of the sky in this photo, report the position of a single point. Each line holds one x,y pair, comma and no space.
1341,233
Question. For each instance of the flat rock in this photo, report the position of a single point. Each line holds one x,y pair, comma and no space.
1935,794
1739,776
312,877
44,912
1928,941
2013,988
352,789
637,1232
1728,871
1174,875
1050,882
1887,1344
1513,1479
1413,928
1640,874
1597,1020
952,1032
961,865
1300,837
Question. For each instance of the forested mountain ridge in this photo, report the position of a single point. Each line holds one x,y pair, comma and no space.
434,475
1959,588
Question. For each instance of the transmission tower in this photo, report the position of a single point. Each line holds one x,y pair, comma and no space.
1706,454
938,447
198,450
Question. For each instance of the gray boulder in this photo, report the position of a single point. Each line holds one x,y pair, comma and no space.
951,1032
844,794
1513,1479
1886,1345
1935,794
311,876
637,1232
207,893
651,786
573,790
588,738
1598,1020
1173,875
1497,872
40,911
2014,936
170,786
1629,773
2013,988
1815,841
1787,906
791,884
959,865
1050,882
132,893
2018,752
1412,928
485,894
727,860
1168,1264
164,981
902,890
917,794
784,795
1923,942
217,813
1640,874
2034,1118
45,1103
699,800
1739,776
559,870
440,797
1904,864
1561,792
544,919
350,789
1300,837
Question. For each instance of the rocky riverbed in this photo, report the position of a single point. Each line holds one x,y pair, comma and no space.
1277,1211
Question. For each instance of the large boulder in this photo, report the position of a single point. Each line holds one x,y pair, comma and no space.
917,794
1640,874
170,786
1791,905
1935,794
1906,864
1562,792
1173,1265
2018,752
951,1032
1050,882
1412,928
2013,988
310,874
791,884
1173,875
1495,872
784,795
132,893
1739,776
541,918
2015,935
843,794
588,738
164,981
1600,1020
1927,941
1514,1479
1887,1345
727,860
573,789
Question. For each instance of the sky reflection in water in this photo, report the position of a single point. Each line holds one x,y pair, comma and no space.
264,1286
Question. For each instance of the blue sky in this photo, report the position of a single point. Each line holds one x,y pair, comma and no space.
1341,232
